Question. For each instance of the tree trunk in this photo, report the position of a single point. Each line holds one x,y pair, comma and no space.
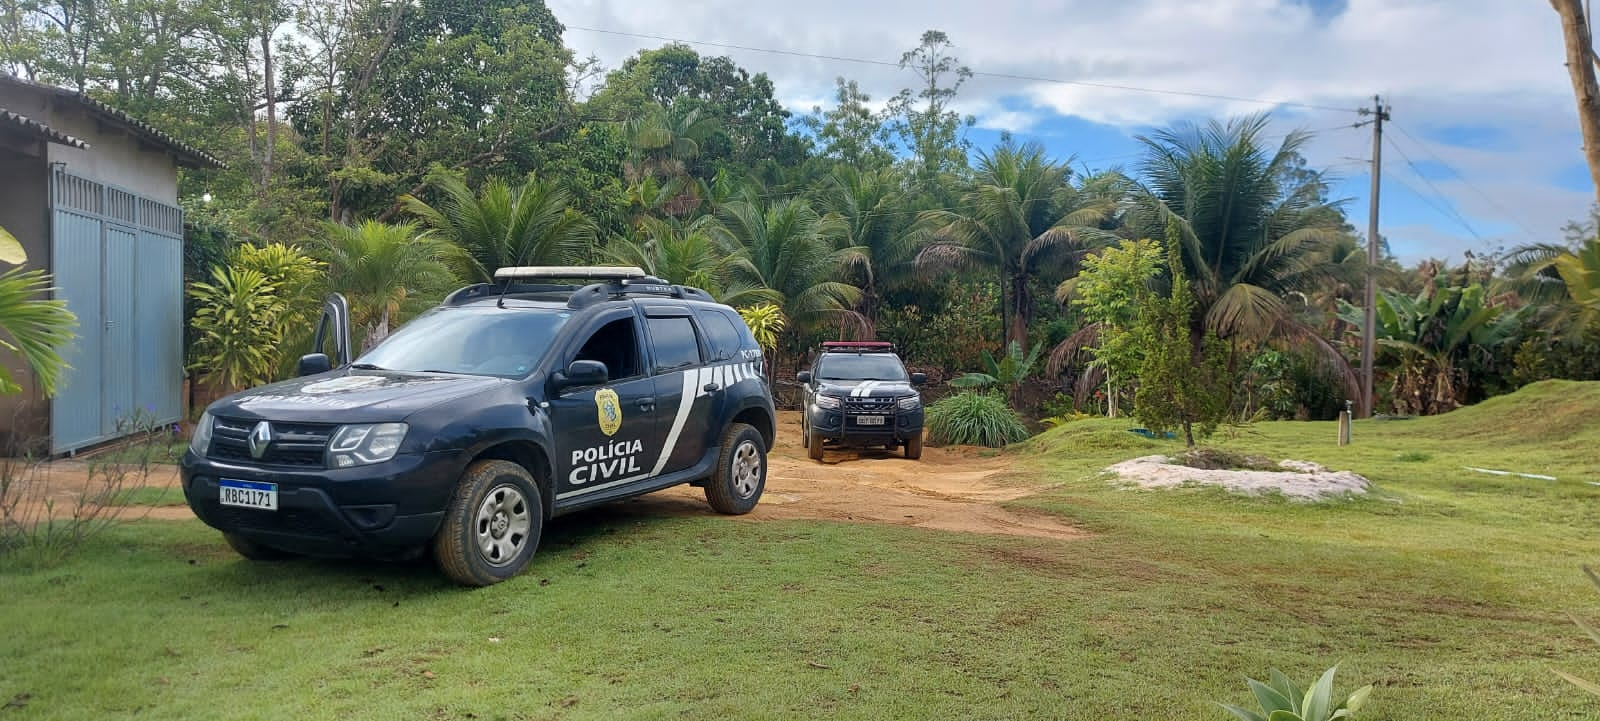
1188,433
1021,309
1581,66
272,106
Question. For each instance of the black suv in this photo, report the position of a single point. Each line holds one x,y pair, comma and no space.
858,395
473,424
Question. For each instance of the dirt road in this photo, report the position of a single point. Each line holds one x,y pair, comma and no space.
949,490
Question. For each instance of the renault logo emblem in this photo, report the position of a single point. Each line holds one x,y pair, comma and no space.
260,438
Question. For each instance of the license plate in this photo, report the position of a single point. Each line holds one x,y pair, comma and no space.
248,494
869,420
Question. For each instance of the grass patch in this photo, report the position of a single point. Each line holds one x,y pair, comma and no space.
148,496
1447,590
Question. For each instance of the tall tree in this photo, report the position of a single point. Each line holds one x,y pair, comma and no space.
1183,378
929,129
531,224
1581,61
851,132
1020,220
1248,238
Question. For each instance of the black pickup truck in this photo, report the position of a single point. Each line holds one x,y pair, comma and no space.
858,395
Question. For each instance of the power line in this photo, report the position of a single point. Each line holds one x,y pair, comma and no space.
1515,220
975,73
1446,209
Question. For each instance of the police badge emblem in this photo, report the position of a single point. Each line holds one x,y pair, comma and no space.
610,410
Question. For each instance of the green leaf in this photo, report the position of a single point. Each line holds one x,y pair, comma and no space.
10,249
1284,716
1243,714
1270,698
1357,699
1586,685
1318,701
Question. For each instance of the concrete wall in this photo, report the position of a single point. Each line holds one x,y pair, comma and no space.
24,416
115,156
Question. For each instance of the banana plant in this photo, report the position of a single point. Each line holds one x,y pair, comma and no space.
1008,372
1281,700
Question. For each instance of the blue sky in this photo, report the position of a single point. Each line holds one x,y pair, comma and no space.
1483,151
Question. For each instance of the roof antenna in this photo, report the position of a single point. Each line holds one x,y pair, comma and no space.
501,302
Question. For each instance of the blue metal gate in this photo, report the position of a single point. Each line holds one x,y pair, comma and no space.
118,263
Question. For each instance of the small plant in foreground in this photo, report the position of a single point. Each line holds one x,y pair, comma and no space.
974,419
1582,683
1281,700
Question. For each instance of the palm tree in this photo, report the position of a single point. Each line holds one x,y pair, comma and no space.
1252,233
689,254
379,265
662,141
787,255
30,326
1564,282
868,204
532,224
1021,219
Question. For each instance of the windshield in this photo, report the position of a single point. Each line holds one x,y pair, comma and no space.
474,340
865,367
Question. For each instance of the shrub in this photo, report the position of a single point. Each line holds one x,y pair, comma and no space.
1282,701
236,344
974,419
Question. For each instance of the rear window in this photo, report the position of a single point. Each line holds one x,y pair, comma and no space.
675,342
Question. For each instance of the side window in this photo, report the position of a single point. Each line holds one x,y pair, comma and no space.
676,344
616,345
721,335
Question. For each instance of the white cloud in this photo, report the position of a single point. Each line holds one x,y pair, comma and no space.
1489,63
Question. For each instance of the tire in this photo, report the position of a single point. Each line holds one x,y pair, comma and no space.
814,445
741,473
914,446
805,436
255,551
492,526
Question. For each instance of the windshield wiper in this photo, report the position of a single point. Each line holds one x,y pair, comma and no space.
437,370
367,367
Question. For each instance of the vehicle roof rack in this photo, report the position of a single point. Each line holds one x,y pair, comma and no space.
570,272
858,346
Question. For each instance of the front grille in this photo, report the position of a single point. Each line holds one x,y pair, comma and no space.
297,522
869,405
293,444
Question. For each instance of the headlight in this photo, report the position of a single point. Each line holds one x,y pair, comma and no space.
364,444
200,442
829,402
909,403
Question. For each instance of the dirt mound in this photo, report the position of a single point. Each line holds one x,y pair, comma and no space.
1299,480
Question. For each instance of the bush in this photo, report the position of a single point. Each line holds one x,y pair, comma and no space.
974,419
1281,700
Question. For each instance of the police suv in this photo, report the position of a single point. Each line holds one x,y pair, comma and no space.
858,395
468,428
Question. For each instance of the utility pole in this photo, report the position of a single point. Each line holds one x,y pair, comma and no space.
1379,113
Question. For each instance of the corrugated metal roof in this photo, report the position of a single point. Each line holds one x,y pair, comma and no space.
38,129
188,155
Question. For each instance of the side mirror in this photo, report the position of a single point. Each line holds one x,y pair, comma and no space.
314,363
803,377
583,373
918,379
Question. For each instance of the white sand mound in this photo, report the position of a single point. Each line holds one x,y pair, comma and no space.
1301,480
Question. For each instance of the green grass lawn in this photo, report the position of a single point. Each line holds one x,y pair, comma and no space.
1446,588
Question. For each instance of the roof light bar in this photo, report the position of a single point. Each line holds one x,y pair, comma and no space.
573,272
861,344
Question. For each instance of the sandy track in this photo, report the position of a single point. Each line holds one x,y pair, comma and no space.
949,490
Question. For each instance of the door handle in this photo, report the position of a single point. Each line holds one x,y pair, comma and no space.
646,404
712,388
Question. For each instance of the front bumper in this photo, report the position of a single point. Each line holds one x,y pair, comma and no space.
842,427
387,509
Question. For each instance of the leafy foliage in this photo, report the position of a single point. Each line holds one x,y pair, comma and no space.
1113,285
1183,379
236,345
1006,374
531,224
1281,700
974,419
766,324
33,327
379,266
